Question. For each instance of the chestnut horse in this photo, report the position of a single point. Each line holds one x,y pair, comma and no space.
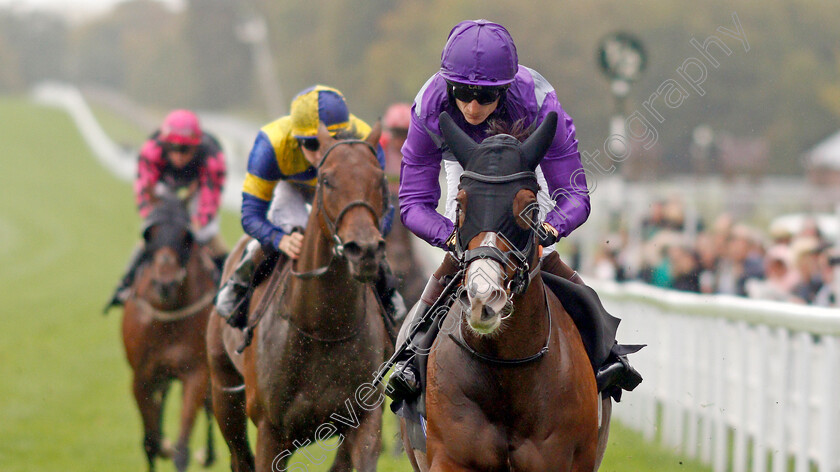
321,336
164,325
509,382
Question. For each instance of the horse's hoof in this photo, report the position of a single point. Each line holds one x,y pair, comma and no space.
181,458
204,458
166,449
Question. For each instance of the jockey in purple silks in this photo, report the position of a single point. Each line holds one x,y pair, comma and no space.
481,84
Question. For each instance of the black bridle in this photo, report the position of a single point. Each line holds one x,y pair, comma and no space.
517,284
332,225
520,259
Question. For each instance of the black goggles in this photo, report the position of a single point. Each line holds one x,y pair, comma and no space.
483,95
310,144
179,148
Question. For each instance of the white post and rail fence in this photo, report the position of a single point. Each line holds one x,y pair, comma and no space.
739,384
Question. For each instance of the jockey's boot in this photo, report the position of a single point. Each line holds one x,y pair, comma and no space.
389,296
231,298
404,382
219,263
123,289
616,373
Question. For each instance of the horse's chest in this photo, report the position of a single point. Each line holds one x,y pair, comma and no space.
318,384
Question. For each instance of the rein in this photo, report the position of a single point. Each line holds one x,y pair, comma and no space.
167,316
462,343
332,226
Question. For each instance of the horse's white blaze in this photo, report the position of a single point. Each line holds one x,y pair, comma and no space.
485,288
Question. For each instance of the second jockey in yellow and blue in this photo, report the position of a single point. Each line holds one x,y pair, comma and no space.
281,179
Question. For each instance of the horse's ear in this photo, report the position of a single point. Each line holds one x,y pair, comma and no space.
535,147
324,137
459,142
375,132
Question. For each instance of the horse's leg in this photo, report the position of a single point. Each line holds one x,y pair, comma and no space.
228,393
366,442
195,390
603,431
343,461
273,452
149,398
210,453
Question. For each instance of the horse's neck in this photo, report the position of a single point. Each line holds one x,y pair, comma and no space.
199,275
328,298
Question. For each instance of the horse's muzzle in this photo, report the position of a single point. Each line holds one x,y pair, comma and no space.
364,258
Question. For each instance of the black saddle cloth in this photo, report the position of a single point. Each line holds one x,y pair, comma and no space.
597,327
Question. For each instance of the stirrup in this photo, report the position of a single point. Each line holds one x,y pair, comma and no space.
404,382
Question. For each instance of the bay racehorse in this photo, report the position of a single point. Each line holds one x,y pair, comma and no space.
509,382
164,325
320,335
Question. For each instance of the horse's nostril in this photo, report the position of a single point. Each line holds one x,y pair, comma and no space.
380,247
487,313
352,250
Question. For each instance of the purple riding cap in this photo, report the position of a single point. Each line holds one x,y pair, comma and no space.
479,53
483,53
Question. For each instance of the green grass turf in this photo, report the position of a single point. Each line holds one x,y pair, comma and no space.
66,230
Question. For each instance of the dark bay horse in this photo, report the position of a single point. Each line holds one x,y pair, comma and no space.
321,336
164,325
509,383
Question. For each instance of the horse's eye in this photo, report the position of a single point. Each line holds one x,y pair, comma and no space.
327,183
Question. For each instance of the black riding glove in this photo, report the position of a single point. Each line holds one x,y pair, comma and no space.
452,241
548,235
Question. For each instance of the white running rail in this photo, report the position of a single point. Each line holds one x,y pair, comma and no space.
236,138
738,384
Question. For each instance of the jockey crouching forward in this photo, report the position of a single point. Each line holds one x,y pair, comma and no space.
179,161
481,85
281,179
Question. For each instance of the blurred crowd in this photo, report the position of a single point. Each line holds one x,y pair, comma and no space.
727,257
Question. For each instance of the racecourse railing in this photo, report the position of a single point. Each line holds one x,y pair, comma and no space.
738,384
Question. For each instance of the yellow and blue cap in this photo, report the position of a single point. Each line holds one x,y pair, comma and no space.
318,103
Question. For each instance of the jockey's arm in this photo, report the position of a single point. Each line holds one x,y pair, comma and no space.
211,183
257,191
420,189
564,174
150,164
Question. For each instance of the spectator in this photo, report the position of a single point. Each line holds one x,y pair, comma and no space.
708,255
806,251
685,269
780,277
741,262
826,295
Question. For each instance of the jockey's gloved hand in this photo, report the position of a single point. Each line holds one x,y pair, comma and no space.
452,241
548,235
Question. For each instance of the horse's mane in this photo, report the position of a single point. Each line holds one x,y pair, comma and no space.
517,129
345,134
